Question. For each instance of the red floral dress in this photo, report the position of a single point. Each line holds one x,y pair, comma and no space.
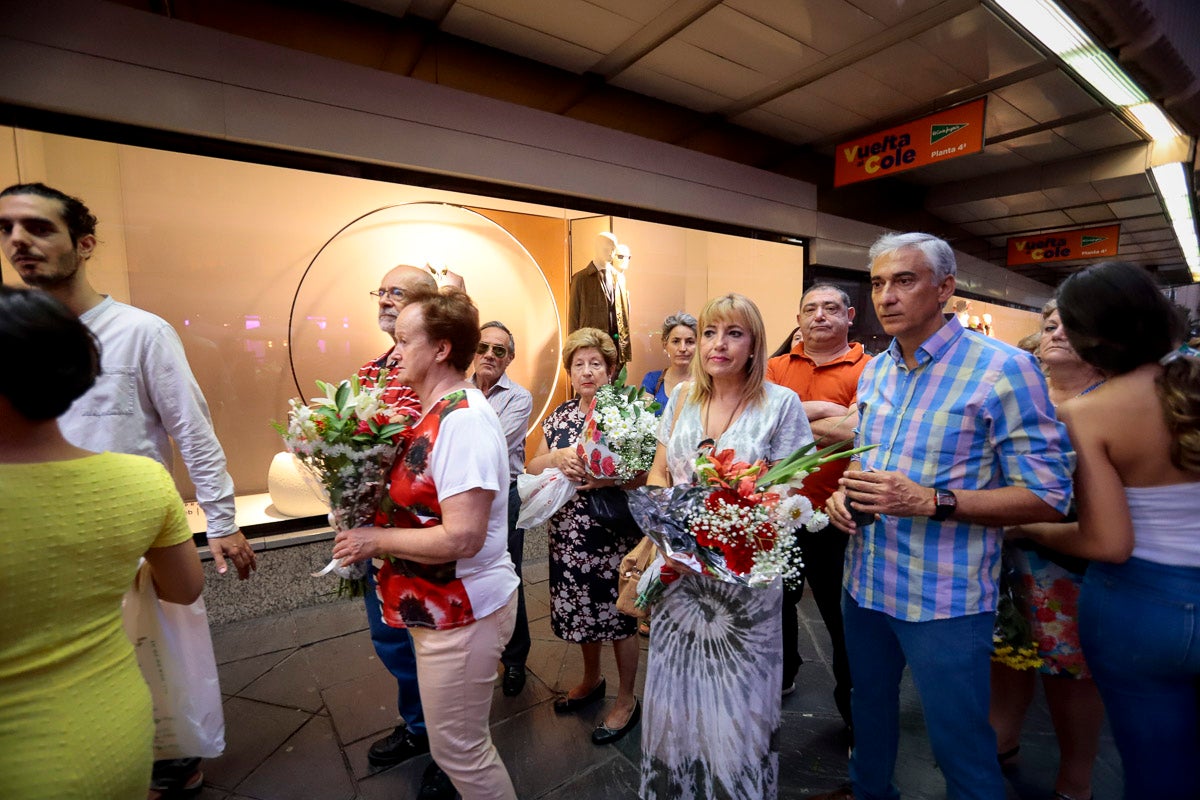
416,595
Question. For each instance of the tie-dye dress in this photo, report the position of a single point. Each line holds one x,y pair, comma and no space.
711,721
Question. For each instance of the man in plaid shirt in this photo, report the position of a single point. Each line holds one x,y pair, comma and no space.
968,444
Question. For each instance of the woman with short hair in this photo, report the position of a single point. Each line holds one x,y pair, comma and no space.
443,534
585,552
679,343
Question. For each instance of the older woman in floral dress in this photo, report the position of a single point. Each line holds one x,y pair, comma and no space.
585,553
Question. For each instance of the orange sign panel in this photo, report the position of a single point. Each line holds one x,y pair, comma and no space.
955,132
1064,245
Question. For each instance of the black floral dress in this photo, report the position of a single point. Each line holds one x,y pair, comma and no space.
584,555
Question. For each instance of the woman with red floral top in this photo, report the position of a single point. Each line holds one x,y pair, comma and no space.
443,532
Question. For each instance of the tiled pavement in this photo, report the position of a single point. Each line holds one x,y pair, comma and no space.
306,696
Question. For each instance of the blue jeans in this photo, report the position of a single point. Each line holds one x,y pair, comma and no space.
951,666
1139,623
395,649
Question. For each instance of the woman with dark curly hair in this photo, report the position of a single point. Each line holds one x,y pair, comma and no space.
1138,490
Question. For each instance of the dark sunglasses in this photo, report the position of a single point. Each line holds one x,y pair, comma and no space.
498,350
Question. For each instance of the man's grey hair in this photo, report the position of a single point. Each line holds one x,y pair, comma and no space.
512,343
829,287
675,320
938,254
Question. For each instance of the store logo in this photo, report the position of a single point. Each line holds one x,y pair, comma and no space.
1088,240
939,132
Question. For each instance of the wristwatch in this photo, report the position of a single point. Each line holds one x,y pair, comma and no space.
946,503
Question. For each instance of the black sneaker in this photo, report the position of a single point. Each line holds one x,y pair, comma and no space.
436,785
175,779
399,745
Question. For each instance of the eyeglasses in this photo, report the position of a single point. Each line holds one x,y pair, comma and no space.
498,350
394,293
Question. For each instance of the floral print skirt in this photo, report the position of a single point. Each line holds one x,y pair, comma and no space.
1053,593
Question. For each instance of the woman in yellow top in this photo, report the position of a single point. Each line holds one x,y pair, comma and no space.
75,714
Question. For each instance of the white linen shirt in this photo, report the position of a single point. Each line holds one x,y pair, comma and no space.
145,396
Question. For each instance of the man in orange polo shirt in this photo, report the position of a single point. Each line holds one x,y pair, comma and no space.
823,369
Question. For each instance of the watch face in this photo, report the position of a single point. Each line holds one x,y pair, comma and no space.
946,504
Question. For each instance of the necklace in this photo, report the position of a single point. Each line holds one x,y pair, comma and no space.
1093,387
728,421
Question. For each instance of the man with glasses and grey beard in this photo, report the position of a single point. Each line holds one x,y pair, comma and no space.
513,404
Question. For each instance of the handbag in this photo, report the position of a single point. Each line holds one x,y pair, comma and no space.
175,654
610,508
633,565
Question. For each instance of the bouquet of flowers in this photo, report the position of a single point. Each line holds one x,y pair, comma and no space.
346,440
1012,634
737,522
619,433
617,442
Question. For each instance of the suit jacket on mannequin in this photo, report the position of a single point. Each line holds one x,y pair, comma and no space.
591,308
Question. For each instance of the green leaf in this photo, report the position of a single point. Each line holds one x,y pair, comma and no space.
343,394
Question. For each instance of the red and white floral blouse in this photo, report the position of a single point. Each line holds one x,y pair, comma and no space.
456,446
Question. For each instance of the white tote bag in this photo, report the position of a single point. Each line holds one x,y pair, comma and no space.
175,653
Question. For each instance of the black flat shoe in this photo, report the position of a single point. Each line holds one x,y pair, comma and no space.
568,705
514,680
606,735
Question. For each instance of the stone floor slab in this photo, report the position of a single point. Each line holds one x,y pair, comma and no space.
309,765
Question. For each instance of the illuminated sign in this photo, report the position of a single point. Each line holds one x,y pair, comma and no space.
1064,245
955,132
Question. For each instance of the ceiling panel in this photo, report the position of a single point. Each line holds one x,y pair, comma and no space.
641,11
1125,186
1025,203
891,12
979,45
1042,147
790,130
1065,197
1034,222
743,40
914,71
1135,207
994,159
1144,223
578,21
1086,215
829,26
983,228
695,65
640,78
806,106
1048,97
1098,133
515,38
865,89
1002,117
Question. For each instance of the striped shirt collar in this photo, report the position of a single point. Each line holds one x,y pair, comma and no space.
930,349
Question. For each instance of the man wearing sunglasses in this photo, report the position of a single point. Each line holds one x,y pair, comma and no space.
513,404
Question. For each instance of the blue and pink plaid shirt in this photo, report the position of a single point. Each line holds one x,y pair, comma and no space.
973,414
